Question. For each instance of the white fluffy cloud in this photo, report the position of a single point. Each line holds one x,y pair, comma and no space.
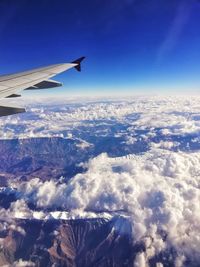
159,191
172,115
21,263
140,260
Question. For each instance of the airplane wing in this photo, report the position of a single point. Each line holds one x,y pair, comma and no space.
40,78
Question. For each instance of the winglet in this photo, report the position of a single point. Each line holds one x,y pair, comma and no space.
78,62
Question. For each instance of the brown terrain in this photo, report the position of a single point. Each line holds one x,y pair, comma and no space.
84,243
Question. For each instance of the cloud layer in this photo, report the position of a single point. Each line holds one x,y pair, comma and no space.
159,191
168,115
157,188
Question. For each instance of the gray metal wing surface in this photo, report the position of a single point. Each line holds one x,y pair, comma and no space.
39,78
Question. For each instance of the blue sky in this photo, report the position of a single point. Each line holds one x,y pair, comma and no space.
130,45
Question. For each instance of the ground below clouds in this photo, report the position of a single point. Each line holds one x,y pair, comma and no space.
131,165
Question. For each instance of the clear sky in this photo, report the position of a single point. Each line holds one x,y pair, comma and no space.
130,45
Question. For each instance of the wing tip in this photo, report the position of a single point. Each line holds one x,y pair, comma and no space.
78,62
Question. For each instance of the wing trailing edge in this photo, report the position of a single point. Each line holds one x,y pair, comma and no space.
45,85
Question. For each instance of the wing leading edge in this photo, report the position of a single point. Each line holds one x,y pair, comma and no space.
40,78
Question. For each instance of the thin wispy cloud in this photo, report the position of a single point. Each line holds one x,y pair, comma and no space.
175,31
